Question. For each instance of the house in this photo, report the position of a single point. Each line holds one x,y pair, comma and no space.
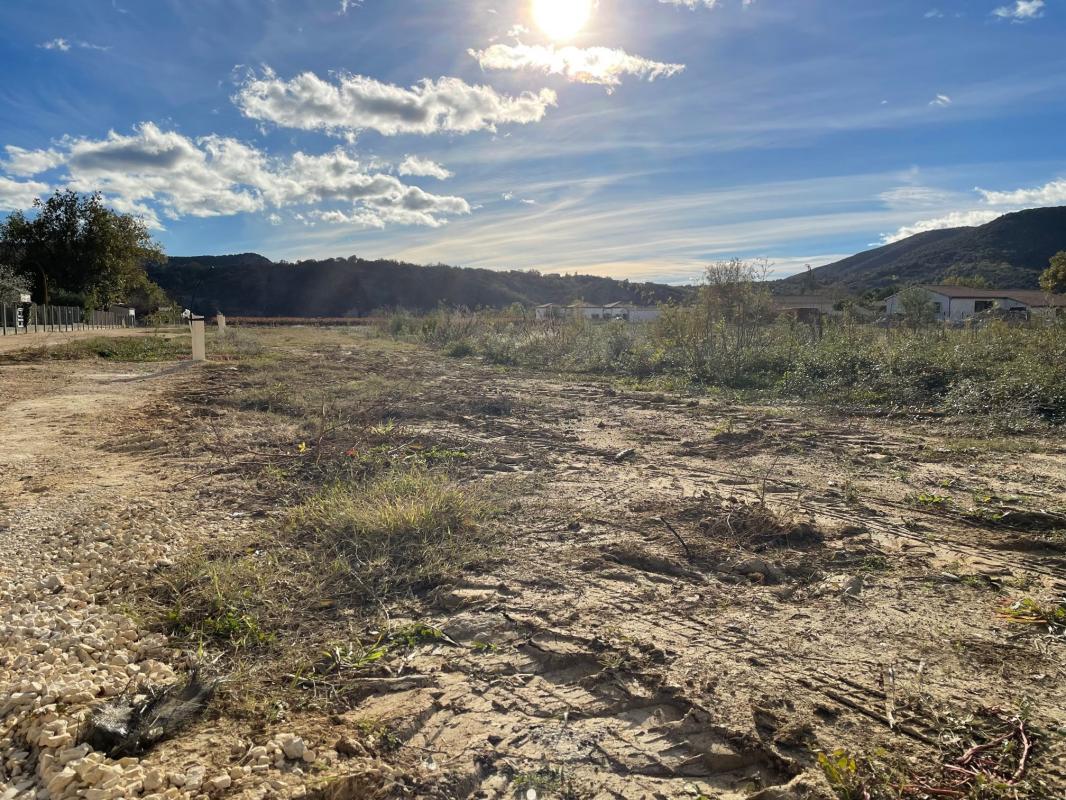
127,315
804,304
957,303
608,311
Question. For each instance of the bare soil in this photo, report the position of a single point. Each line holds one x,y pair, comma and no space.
694,598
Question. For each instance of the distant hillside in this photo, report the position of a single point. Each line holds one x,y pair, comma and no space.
1010,253
251,285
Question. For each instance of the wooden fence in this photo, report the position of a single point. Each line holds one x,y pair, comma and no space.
22,318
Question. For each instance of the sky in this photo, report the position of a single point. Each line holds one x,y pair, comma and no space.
638,139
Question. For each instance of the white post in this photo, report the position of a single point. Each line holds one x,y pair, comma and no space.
221,320
199,347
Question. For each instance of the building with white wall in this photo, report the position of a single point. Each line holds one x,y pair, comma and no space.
958,303
581,310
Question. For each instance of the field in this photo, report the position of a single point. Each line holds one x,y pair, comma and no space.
423,570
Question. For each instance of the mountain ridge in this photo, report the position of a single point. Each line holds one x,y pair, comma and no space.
248,284
1009,252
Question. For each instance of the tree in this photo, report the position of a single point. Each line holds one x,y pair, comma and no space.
969,281
11,285
916,306
75,244
1053,279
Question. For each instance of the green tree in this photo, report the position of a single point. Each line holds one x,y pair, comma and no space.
916,306
1053,279
969,281
75,245
11,284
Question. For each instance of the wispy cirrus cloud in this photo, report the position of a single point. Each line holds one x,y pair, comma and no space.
603,66
154,173
1021,10
941,101
693,4
416,165
355,102
64,45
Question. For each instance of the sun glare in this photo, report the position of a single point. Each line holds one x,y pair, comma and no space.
561,19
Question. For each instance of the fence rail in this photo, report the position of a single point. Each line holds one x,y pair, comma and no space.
23,318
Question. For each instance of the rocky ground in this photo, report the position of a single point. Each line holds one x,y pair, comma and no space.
696,598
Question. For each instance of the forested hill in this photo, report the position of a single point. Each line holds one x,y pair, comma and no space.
1009,252
251,285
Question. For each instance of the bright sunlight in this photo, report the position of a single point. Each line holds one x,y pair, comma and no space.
561,19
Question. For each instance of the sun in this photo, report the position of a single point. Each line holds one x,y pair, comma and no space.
561,19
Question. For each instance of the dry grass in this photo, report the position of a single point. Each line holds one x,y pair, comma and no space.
405,529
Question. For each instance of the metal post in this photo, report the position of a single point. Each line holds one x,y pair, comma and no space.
3,313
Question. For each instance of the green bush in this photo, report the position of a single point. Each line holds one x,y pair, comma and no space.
1011,375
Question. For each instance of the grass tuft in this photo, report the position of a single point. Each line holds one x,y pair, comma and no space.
401,530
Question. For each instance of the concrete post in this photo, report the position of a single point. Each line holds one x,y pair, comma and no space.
221,320
199,346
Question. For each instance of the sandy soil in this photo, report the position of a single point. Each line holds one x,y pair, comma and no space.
637,640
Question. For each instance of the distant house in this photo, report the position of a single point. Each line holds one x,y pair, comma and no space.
128,314
581,310
804,304
957,303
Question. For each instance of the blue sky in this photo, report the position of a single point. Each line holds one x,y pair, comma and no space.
632,138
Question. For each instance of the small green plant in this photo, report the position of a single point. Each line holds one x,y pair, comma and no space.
459,349
841,770
1027,610
384,430
875,563
930,500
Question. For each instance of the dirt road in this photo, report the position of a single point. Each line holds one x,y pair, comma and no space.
649,631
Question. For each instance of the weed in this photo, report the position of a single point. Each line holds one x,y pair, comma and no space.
384,430
929,500
1027,610
875,563
459,349
127,349
841,770
400,530
546,782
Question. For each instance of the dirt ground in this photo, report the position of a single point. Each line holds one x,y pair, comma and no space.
695,597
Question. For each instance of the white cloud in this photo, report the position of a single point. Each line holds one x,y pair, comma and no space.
64,45
598,65
346,4
693,4
956,219
415,165
1050,194
941,100
1021,11
15,195
25,163
152,171
356,102
914,196
934,13
996,205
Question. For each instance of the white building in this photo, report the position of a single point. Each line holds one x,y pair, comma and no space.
957,303
618,310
